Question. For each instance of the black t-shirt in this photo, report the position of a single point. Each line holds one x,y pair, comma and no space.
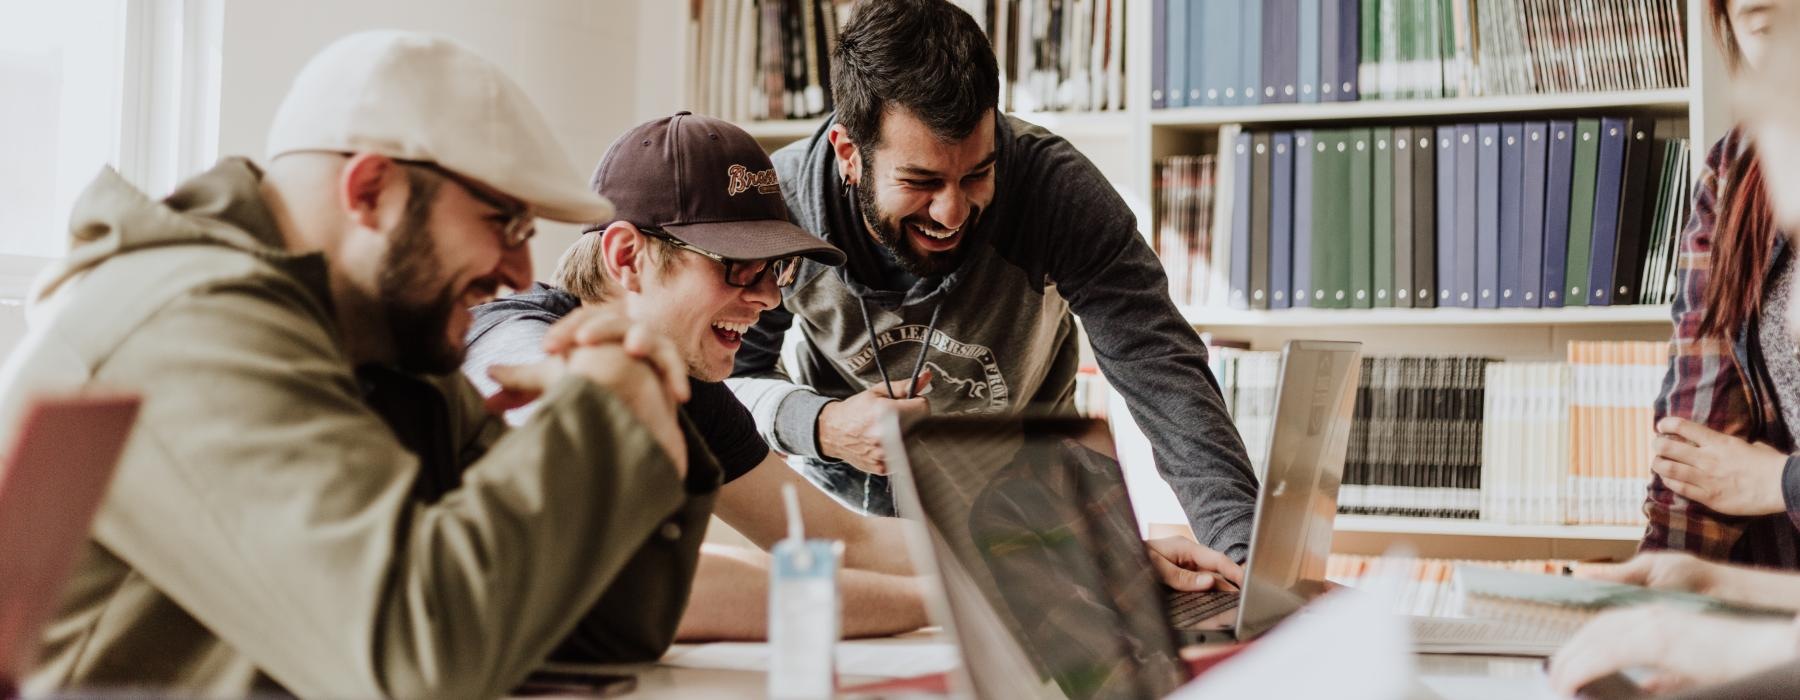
724,424
726,427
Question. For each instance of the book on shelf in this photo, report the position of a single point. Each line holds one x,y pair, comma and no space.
1428,588
1549,443
1410,49
1185,189
1482,216
1444,617
1061,55
1560,605
757,60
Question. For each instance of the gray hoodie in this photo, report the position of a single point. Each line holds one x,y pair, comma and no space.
1056,242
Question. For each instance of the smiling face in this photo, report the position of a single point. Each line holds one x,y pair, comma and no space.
444,257
682,295
920,194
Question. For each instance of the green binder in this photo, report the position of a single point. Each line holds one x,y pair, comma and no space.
1581,211
1331,236
1382,288
1361,218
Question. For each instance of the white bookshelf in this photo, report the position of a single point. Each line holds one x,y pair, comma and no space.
1214,117
1483,528
1217,318
1479,539
778,133
1126,145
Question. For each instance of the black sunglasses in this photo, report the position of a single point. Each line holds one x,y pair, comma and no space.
738,273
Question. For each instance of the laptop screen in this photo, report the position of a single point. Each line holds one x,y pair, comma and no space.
1029,517
1297,505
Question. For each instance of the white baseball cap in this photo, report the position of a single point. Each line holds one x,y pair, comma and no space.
413,96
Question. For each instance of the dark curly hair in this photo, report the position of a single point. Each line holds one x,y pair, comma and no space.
926,56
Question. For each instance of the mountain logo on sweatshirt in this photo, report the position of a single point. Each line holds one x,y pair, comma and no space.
966,378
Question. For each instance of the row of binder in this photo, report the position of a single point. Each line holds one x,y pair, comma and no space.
1515,214
1248,52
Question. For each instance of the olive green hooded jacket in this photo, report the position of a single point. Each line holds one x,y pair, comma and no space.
270,530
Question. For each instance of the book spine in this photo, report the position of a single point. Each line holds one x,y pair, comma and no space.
1301,274
1512,183
1402,203
1281,219
1487,216
1447,216
1381,212
1240,223
1260,215
1581,211
1362,245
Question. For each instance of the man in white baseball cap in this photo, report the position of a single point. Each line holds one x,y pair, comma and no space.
314,502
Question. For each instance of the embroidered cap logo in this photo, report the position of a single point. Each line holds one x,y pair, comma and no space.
740,179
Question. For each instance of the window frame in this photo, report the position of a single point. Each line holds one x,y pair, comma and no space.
168,109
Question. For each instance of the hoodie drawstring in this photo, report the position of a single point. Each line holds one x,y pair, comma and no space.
875,347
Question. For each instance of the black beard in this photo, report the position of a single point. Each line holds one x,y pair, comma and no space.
417,329
892,237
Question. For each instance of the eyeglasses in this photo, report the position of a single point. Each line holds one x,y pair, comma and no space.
738,273
520,224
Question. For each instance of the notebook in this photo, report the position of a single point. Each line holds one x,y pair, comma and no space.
51,481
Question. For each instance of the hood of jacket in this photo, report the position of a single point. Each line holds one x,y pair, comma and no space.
223,206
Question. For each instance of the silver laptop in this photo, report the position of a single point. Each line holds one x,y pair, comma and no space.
1047,585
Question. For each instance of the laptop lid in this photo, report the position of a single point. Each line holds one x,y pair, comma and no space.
1290,541
1050,591
51,481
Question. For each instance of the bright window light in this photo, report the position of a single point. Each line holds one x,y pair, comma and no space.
61,75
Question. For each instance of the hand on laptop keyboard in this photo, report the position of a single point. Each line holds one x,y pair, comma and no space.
1186,565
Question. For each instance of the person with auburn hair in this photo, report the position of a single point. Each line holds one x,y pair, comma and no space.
1725,484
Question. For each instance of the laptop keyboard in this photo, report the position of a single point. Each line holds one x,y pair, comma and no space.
1190,608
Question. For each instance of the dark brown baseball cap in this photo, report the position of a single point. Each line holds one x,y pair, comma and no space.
706,182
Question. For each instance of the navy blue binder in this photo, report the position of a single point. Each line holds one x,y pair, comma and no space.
1609,186
1281,218
1240,222
1349,48
1159,52
1300,286
1487,216
1424,220
1468,217
1535,150
1512,183
1558,181
1446,216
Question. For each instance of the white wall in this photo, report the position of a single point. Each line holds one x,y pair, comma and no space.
576,59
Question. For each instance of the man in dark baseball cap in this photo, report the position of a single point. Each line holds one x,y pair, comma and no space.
700,245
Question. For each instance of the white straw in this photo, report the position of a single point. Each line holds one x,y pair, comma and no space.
791,498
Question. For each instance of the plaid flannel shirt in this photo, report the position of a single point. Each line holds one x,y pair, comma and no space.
1722,385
